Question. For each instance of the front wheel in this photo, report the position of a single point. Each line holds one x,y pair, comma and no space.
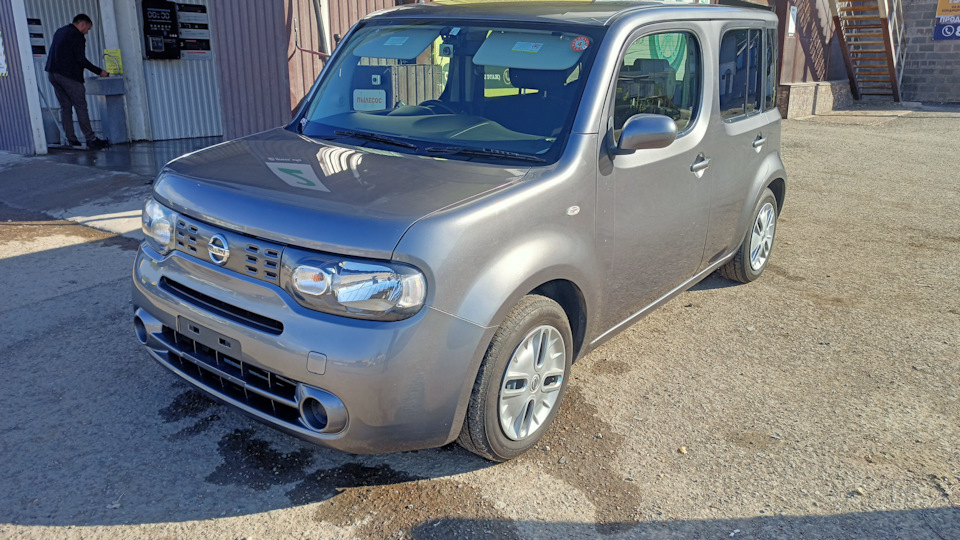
754,252
521,381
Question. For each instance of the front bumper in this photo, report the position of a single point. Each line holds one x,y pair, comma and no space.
383,386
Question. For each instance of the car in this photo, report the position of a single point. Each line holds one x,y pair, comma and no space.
470,198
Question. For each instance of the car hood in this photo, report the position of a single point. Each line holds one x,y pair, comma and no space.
291,189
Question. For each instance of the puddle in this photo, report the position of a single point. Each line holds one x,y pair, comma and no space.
582,449
189,404
251,462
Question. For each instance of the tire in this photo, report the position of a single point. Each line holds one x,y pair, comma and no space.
757,246
521,381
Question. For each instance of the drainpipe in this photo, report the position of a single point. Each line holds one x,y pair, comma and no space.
323,12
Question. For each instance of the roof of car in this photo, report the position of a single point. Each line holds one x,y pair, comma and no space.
597,13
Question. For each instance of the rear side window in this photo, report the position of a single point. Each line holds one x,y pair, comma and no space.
741,72
659,74
770,71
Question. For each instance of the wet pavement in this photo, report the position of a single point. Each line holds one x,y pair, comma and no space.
144,158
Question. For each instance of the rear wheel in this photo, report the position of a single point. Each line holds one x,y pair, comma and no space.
754,252
521,381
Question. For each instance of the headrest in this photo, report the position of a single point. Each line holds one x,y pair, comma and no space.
652,65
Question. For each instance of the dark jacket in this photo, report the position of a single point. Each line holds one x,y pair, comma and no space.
66,55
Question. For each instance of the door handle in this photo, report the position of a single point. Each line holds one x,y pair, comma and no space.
700,165
759,142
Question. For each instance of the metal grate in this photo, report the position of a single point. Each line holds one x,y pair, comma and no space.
258,388
250,256
262,263
219,307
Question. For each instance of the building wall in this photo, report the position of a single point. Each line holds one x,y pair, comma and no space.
345,13
813,53
250,37
931,70
303,66
258,90
16,134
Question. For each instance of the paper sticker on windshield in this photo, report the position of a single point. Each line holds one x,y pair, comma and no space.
369,100
527,47
396,41
298,175
580,44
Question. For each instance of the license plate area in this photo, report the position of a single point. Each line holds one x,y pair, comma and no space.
208,338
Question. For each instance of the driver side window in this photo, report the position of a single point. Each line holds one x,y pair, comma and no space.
659,74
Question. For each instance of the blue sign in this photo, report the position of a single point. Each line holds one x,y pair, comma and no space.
943,32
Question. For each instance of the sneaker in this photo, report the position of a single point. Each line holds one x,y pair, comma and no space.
97,144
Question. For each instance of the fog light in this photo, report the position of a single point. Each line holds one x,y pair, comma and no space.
314,414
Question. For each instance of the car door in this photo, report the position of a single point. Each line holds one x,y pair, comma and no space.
741,77
654,204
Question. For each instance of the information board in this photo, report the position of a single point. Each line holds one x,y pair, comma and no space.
161,41
194,25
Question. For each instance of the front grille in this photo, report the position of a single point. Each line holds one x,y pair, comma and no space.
221,308
258,388
249,256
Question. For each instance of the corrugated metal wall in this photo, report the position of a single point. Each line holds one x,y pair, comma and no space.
183,95
54,14
258,90
345,13
254,84
303,67
15,131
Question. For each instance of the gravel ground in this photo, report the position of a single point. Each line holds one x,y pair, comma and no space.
818,402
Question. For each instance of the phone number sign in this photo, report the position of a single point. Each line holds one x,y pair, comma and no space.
947,28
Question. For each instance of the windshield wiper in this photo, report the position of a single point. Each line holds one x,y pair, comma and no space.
375,137
483,152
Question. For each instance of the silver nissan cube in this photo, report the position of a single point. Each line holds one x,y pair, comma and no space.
471,198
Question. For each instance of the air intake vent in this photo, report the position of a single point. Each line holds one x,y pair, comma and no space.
249,256
218,307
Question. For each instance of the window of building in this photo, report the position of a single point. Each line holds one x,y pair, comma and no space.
659,74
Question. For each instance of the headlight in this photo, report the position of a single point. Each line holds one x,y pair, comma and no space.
353,288
157,223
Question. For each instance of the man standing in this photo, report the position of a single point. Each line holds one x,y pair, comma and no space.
65,64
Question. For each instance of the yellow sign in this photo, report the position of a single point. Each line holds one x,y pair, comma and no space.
948,7
112,62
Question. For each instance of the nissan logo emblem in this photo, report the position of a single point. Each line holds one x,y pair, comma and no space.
218,249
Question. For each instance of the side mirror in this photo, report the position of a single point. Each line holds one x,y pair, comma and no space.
645,131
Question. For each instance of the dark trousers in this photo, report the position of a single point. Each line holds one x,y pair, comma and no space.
72,95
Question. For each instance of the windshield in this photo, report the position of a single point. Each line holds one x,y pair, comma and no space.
491,92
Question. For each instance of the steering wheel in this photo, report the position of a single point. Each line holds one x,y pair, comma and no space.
437,104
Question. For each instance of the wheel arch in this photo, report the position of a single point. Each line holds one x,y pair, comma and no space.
779,188
570,298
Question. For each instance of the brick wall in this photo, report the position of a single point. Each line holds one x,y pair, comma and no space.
931,71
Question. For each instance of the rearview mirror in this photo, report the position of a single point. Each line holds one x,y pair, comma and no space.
645,131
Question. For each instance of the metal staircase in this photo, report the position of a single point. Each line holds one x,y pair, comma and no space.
872,39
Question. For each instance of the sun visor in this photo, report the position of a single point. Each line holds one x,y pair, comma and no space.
531,50
405,43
